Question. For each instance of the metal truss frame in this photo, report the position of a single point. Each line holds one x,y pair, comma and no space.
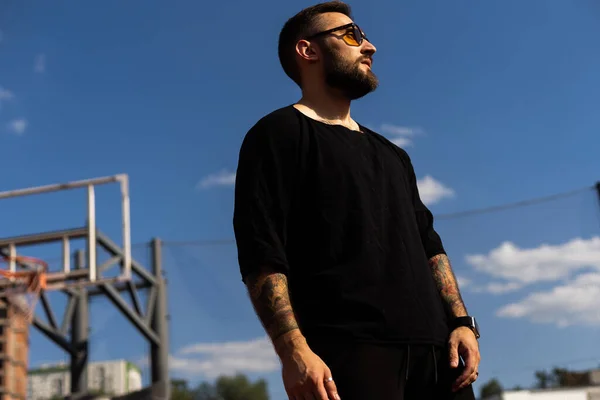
71,334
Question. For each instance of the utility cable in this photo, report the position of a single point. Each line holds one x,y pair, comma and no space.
485,210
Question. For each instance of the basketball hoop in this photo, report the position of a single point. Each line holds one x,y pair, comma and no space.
21,288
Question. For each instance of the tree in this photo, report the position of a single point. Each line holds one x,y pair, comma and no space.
543,378
561,377
490,388
236,387
180,390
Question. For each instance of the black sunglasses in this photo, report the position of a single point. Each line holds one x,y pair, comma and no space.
352,37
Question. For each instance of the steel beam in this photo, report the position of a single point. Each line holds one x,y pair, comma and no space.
132,316
159,351
60,186
79,335
53,335
44,237
112,248
119,287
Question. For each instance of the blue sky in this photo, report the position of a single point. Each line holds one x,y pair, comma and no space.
494,101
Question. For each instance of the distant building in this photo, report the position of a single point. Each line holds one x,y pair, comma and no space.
590,390
112,378
581,393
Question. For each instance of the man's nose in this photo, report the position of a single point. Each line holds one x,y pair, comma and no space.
368,48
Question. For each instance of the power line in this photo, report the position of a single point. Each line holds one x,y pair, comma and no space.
507,206
485,210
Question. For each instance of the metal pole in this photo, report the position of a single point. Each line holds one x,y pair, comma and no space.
159,354
79,335
126,213
598,189
91,225
60,186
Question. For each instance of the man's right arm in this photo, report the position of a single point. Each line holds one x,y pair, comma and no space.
269,294
270,164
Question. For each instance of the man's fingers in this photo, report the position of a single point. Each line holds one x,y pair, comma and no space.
321,392
470,372
331,389
453,353
470,379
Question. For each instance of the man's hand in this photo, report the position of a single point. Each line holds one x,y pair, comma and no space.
305,375
463,343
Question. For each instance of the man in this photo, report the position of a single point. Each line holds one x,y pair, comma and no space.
339,254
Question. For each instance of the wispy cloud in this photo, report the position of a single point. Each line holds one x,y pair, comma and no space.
222,178
574,299
401,136
211,360
432,191
574,302
497,287
544,263
17,126
40,63
5,95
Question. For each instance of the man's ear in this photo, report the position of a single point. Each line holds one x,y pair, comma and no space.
307,50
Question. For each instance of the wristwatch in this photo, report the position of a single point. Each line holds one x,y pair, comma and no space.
468,322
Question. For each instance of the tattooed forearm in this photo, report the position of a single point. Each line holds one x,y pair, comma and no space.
270,298
447,285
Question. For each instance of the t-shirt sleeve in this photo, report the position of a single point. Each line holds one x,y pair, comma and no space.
267,170
429,237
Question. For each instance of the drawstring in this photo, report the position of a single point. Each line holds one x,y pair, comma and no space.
434,364
407,360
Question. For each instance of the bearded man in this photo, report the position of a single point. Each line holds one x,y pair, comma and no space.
339,254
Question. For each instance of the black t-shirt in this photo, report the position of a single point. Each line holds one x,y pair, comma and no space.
338,211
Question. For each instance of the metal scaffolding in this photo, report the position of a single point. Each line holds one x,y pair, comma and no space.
85,280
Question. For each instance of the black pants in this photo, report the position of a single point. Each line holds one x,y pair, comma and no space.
370,372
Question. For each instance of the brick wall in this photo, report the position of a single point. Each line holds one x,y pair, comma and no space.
14,353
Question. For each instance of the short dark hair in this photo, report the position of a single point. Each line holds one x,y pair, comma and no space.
302,25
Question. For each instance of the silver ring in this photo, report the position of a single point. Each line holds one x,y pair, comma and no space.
330,379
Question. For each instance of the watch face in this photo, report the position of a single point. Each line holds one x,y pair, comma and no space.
476,326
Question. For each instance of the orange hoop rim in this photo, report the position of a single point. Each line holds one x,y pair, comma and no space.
37,267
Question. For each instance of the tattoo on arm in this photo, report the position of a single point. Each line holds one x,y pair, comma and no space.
447,285
270,298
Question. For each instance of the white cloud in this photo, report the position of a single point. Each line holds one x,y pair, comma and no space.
227,358
574,302
17,126
573,266
399,135
432,191
40,63
401,141
5,94
223,178
463,282
497,287
544,263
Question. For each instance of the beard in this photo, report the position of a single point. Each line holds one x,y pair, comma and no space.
348,77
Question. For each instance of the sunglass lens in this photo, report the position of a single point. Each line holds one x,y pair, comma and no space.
358,34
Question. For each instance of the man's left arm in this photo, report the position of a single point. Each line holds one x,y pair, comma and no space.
447,285
462,341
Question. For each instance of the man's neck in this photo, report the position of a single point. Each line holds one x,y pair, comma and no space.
326,106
